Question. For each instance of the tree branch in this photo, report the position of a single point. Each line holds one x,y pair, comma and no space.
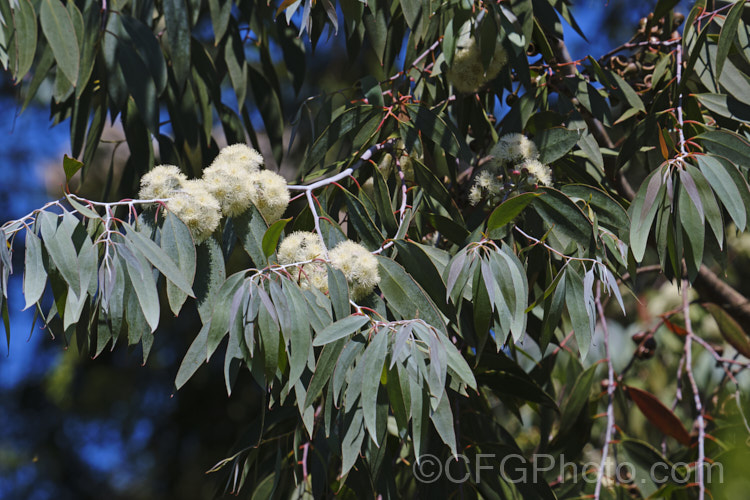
708,285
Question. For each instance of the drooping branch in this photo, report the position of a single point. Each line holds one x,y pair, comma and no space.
709,286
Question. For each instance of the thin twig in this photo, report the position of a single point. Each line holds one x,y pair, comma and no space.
647,43
694,387
680,120
610,393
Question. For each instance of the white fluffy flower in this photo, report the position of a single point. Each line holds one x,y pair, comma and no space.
475,195
302,246
486,185
197,208
269,194
240,155
513,148
541,172
467,72
359,266
230,184
161,182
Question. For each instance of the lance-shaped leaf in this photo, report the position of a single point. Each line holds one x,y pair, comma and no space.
404,296
360,219
609,213
250,228
34,273
659,415
511,277
60,33
145,290
221,317
517,384
353,436
373,359
433,127
708,200
177,243
457,363
643,211
24,39
727,35
340,329
728,145
338,291
177,22
694,228
442,419
578,398
194,358
272,235
554,143
567,221
209,276
327,360
730,329
509,210
299,336
581,315
161,261
59,244
729,186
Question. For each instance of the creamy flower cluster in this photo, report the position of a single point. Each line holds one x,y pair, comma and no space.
514,160
357,264
467,72
304,246
228,187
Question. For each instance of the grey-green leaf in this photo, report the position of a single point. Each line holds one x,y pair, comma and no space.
177,243
373,358
194,358
340,329
145,289
34,274
159,259
405,296
58,29
178,36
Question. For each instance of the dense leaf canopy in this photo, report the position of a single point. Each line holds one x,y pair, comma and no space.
470,214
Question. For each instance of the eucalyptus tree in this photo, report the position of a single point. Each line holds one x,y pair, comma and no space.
419,303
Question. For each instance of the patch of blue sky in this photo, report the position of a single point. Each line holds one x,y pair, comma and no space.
30,142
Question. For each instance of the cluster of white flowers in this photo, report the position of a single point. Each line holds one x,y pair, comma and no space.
359,266
512,149
303,246
197,208
229,185
538,172
467,72
486,185
269,194
161,182
514,159
228,178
